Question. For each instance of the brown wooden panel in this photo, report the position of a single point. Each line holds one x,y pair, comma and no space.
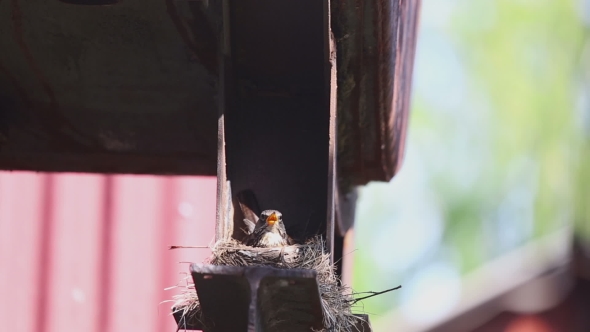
376,41
127,88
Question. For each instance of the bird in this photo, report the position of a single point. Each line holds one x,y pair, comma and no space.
269,231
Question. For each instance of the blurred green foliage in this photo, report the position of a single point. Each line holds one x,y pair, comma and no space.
526,64
495,144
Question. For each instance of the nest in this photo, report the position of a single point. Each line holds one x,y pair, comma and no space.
336,299
187,302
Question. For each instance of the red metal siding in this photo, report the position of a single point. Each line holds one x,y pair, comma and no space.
82,252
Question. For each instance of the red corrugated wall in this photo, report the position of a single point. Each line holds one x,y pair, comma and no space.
82,252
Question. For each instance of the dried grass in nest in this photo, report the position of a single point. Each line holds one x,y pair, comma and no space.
187,301
336,300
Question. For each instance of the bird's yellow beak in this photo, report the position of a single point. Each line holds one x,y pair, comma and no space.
272,219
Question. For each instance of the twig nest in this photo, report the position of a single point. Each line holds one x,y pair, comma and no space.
336,300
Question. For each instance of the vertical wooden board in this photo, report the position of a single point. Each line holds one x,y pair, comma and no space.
189,220
89,252
167,224
20,218
135,256
73,278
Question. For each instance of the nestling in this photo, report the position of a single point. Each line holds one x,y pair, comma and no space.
269,231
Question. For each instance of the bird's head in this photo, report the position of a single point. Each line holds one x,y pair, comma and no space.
271,217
